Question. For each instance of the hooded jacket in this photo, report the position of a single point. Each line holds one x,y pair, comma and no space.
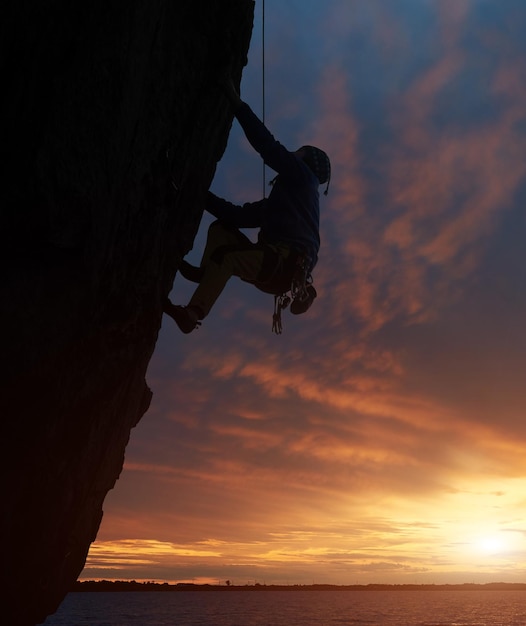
291,213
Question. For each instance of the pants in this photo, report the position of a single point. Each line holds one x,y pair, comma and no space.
227,253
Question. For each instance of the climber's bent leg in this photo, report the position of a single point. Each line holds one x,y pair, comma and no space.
245,261
220,235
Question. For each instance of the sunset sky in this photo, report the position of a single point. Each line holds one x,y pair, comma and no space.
382,437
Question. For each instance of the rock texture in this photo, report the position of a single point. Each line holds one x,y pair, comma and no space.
112,125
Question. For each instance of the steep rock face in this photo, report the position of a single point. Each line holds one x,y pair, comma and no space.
112,127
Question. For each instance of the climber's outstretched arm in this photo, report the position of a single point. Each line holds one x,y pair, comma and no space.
249,215
261,139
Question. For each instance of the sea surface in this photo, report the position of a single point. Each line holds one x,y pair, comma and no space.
293,608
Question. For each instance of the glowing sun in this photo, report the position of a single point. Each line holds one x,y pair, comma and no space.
496,543
491,544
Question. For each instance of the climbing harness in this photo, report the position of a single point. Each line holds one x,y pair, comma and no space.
301,279
300,295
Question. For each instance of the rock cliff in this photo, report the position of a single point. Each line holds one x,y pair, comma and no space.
112,125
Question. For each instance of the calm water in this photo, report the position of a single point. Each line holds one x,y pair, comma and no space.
293,608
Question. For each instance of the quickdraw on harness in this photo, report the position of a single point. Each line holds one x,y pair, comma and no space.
280,303
298,296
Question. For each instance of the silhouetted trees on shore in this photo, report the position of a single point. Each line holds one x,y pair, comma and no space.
132,585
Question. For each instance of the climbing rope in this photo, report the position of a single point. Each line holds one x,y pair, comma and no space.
263,83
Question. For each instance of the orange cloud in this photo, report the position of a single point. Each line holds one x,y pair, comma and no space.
445,190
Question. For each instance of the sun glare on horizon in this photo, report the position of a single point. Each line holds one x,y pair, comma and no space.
497,543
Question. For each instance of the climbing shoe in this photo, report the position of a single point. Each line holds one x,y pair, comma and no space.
186,317
190,272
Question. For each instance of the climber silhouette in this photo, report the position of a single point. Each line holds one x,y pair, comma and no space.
288,239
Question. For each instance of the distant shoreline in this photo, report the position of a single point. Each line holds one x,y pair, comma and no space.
132,585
